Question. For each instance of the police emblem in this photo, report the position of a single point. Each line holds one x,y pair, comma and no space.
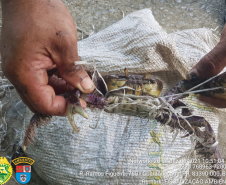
23,172
6,170
23,178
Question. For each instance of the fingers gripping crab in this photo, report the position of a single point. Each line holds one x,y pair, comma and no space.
138,95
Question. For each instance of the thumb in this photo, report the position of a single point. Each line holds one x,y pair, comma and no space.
65,56
76,76
211,64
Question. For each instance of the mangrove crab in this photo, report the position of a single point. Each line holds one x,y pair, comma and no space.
138,95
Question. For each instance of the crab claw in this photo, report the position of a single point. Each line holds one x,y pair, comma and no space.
73,107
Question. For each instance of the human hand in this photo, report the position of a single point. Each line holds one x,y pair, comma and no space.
210,65
36,37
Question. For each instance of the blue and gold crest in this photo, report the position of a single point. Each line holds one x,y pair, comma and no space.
23,172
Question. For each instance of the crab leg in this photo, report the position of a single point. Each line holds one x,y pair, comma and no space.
73,107
208,147
206,144
37,120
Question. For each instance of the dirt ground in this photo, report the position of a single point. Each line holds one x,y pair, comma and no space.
95,15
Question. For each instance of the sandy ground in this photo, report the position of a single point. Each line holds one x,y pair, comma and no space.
95,15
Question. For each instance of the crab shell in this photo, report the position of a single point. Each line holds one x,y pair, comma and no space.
138,85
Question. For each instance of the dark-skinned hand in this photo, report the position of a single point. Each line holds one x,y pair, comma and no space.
210,65
37,36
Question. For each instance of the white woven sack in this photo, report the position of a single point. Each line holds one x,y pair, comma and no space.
123,149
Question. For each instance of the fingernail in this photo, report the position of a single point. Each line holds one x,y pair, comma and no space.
193,74
86,84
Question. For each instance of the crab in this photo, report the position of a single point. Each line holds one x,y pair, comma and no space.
138,95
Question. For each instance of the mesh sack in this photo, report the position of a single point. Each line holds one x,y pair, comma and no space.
125,149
